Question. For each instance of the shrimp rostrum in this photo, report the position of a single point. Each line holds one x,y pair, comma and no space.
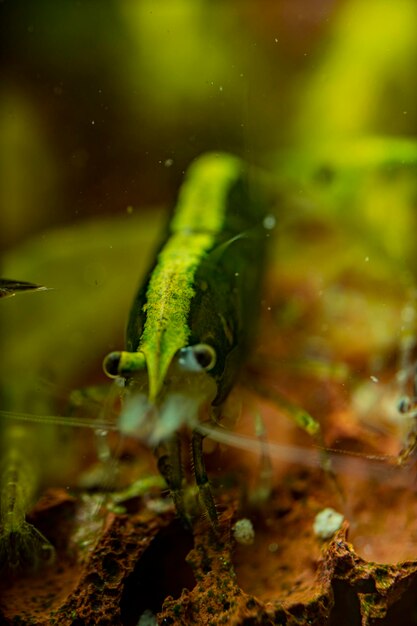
193,320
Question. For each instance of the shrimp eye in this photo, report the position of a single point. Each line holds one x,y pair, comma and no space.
123,363
197,358
111,364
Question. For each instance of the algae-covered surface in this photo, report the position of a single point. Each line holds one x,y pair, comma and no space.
91,159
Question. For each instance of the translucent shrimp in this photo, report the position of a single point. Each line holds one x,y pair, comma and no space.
12,287
22,545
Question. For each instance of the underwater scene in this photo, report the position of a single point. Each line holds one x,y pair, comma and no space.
208,312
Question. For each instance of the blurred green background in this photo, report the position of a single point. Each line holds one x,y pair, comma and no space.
103,104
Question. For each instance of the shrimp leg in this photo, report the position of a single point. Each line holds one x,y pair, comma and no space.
202,480
169,464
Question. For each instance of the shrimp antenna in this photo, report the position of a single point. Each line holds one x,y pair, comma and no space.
343,461
60,420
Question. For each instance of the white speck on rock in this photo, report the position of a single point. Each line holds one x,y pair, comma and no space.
327,522
243,532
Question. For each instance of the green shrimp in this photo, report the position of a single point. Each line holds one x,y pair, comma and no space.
193,321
